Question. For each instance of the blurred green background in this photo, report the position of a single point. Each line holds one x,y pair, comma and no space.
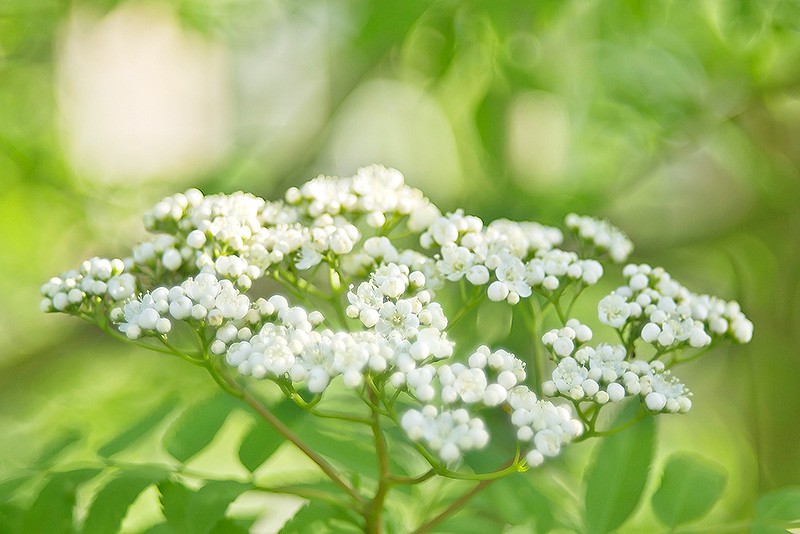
679,121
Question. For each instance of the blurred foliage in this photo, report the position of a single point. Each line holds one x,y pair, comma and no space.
680,121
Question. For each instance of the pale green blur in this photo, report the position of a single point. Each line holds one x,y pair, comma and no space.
678,121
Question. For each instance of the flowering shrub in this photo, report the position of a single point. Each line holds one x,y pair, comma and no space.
353,286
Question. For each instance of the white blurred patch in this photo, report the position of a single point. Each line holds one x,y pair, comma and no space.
538,138
283,78
398,125
140,96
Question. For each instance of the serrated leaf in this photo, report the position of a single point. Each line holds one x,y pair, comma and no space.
174,498
111,503
207,506
262,440
58,445
777,510
617,477
198,512
51,511
689,488
196,427
139,429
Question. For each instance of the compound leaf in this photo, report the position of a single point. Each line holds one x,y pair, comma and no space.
111,503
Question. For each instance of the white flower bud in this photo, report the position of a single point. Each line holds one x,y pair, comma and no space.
498,291
478,275
148,318
550,282
315,318
615,392
375,219
369,317
196,239
655,401
650,332
417,279
172,259
163,325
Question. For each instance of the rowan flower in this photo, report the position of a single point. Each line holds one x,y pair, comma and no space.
601,234
338,241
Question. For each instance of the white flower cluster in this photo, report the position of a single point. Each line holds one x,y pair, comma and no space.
207,251
449,433
394,304
95,279
602,235
562,341
201,230
547,426
203,299
291,348
670,315
404,331
603,375
512,257
378,193
486,380
489,379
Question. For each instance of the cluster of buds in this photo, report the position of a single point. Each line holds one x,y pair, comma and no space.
364,311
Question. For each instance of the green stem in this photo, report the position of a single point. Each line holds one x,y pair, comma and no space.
620,428
454,507
234,389
577,294
373,512
412,480
466,308
533,323
677,361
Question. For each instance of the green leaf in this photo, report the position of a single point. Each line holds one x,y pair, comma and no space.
207,506
9,487
319,517
617,477
53,449
196,427
354,453
174,498
51,512
112,502
139,429
159,528
516,501
11,518
777,511
465,523
689,488
228,525
198,512
262,441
